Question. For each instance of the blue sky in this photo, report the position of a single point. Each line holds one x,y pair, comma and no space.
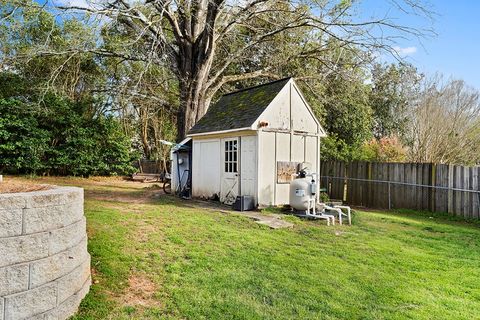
455,51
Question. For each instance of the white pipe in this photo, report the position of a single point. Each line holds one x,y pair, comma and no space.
318,216
348,212
326,217
322,216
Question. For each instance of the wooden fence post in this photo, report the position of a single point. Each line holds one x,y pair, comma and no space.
433,174
450,186
389,197
345,181
369,201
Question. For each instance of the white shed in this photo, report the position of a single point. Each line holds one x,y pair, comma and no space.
249,142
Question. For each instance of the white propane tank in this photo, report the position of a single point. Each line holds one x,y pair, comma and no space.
301,193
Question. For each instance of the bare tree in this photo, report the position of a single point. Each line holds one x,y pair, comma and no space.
446,123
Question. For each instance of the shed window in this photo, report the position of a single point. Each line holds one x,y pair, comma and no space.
231,151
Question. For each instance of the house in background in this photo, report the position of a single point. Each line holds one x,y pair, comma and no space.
251,142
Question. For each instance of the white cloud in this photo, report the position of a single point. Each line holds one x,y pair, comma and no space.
407,51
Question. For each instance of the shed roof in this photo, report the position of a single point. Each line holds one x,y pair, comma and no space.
239,109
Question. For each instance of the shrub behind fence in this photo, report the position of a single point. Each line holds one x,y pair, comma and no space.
420,186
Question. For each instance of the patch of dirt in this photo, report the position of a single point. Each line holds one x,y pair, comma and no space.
136,195
15,186
140,292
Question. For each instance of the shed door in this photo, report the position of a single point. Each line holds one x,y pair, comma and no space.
230,169
248,165
206,175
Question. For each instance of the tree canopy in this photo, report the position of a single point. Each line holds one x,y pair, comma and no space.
152,68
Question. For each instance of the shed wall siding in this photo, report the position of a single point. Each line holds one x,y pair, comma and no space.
302,119
283,154
278,113
298,148
266,168
248,166
206,168
311,153
275,146
289,110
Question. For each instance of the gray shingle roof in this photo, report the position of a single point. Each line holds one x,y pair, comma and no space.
238,109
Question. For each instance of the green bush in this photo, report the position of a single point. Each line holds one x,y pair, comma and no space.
57,138
335,148
324,197
22,142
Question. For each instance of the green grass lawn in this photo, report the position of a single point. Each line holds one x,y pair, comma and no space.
157,258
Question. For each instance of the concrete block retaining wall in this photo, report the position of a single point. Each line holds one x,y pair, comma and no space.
44,263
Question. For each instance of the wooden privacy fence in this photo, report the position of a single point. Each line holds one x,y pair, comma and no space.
149,166
420,186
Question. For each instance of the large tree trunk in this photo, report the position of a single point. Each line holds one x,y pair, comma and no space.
144,132
193,105
193,79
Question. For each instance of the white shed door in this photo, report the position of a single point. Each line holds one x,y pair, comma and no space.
206,177
248,165
230,169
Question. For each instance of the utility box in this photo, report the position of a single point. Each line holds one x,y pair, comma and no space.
244,203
